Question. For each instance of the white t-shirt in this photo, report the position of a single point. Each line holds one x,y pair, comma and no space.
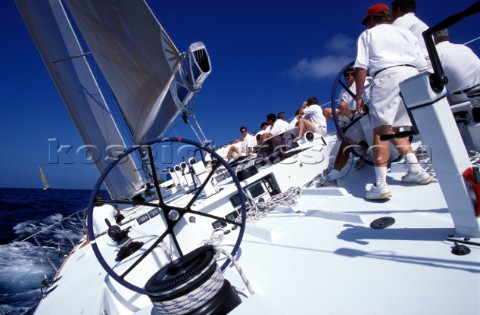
249,141
261,132
280,126
347,98
101,213
293,123
314,113
412,23
385,45
460,64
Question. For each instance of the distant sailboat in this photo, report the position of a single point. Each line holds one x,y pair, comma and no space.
46,185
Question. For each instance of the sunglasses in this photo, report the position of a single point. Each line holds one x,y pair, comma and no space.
349,74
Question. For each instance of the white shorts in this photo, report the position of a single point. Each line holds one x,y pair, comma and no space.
321,130
386,105
355,132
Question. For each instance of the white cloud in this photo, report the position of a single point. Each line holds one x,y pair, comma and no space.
343,48
319,67
341,43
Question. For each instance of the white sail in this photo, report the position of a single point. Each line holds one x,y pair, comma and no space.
58,45
45,183
136,57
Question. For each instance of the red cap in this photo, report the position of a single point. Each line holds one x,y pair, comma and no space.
374,10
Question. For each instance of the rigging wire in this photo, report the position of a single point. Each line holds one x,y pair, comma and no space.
200,130
471,41
327,103
196,134
189,112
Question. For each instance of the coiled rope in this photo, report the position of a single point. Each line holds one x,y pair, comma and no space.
192,300
205,292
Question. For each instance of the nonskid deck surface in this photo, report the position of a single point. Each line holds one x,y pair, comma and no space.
326,258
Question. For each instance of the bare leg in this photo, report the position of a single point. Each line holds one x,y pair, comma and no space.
230,152
263,137
327,112
402,145
301,124
381,150
233,149
344,110
305,125
342,156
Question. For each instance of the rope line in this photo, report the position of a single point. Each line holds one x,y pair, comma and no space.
239,269
194,299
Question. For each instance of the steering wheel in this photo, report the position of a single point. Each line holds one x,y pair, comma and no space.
341,131
172,215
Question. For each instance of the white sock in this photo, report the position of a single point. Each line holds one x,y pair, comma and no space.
412,161
381,176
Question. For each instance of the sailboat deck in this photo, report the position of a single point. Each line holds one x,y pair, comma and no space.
346,266
318,255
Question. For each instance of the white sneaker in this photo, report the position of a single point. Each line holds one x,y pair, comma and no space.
421,177
378,192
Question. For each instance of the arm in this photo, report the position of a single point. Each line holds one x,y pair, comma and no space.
360,75
344,109
361,65
118,215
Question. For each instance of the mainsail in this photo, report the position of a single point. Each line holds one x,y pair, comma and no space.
151,81
45,183
62,54
137,58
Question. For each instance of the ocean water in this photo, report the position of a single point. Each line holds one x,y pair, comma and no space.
23,265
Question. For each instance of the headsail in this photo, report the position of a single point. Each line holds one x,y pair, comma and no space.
137,58
53,34
45,183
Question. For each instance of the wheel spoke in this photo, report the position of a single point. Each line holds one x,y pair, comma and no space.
145,254
154,174
200,189
353,95
163,204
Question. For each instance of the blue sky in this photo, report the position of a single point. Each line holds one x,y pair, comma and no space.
267,56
